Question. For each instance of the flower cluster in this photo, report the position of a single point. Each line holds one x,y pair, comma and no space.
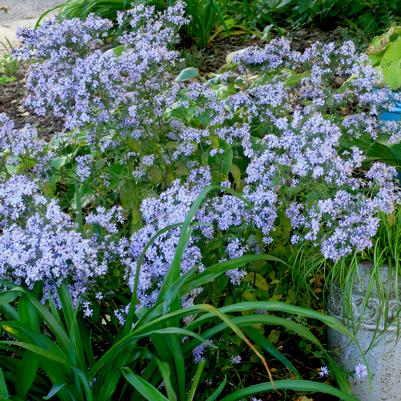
76,79
169,210
18,143
301,126
286,130
45,245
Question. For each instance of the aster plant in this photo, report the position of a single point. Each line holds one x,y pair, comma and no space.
287,130
160,188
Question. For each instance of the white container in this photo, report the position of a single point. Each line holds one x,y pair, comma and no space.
384,358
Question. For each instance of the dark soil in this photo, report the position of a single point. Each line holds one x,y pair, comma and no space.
12,97
212,58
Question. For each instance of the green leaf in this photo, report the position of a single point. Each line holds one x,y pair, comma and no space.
391,65
195,381
128,195
292,385
59,162
84,380
118,50
108,389
174,345
188,73
267,346
140,331
218,390
147,391
76,349
274,306
51,321
213,272
156,175
165,371
54,390
173,272
249,320
26,374
131,312
295,78
3,387
53,356
9,296
227,159
380,151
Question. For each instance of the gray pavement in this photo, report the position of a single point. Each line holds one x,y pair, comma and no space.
14,13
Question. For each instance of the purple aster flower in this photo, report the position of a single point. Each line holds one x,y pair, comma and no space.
361,371
323,371
236,359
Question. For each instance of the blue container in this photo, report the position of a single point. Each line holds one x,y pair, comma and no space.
393,115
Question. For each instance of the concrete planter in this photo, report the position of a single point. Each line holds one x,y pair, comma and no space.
384,358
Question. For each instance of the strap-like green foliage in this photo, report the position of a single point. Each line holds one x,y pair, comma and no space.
56,341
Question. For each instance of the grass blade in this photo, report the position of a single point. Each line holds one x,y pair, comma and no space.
131,312
218,390
3,387
142,386
53,356
166,375
30,362
214,271
54,390
8,297
196,379
173,273
291,385
268,347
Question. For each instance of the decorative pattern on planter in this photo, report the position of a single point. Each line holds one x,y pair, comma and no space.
384,358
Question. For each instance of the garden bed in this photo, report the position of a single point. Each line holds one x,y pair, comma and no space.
172,233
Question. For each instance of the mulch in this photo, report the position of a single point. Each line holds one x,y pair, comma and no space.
12,97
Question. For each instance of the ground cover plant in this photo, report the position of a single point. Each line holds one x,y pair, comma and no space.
162,212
